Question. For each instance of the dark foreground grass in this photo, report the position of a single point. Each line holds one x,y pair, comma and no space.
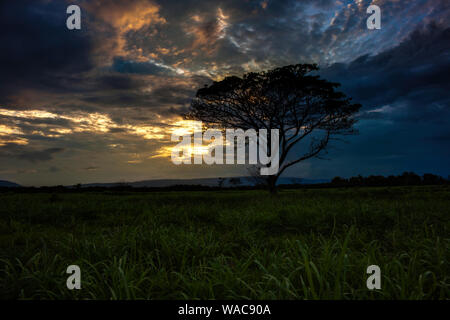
302,244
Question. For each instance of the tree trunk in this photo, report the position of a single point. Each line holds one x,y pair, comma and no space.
272,184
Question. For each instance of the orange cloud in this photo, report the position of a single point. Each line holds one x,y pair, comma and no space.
127,15
124,16
206,33
8,135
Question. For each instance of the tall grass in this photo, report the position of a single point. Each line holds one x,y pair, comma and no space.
301,244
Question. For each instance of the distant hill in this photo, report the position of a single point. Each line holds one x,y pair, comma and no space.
209,182
8,184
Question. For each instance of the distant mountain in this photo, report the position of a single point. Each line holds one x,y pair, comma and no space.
8,184
209,182
314,181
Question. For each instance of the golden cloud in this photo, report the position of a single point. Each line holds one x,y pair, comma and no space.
207,32
96,123
124,16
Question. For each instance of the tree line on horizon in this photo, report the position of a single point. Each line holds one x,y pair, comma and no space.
405,179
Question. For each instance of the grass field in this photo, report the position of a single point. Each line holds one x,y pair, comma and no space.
300,244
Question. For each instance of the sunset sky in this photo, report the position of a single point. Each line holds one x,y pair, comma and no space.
99,104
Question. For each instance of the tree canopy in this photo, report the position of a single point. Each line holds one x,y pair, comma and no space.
292,99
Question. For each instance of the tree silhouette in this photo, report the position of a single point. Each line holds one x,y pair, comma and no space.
235,181
291,99
405,179
221,182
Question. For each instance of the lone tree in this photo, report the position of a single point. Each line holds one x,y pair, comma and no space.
291,98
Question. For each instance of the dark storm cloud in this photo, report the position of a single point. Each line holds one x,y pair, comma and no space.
157,100
38,51
115,81
405,117
149,92
54,169
209,37
236,36
407,83
126,66
31,155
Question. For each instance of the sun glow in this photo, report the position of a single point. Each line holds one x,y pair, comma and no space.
184,128
99,123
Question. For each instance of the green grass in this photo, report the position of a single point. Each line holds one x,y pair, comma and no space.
301,244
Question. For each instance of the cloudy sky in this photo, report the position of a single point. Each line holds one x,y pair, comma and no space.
99,104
